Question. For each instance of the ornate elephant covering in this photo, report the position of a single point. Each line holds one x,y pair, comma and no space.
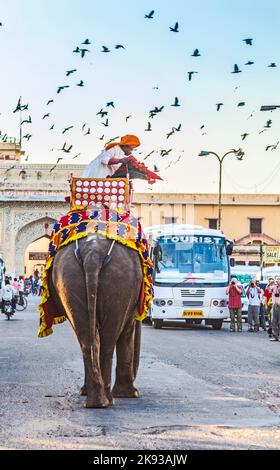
115,224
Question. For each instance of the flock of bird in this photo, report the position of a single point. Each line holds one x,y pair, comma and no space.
83,50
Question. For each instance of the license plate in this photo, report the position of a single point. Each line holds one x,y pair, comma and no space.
192,313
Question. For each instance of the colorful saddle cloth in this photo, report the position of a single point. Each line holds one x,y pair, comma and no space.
114,224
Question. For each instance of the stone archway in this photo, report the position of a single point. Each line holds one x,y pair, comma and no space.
29,233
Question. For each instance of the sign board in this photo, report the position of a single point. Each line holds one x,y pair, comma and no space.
36,255
271,254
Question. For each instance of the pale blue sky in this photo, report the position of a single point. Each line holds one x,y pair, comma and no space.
37,39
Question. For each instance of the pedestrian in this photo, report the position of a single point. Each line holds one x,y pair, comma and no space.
254,295
262,320
267,296
234,292
276,310
21,289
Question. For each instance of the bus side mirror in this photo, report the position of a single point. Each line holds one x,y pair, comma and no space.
229,247
232,262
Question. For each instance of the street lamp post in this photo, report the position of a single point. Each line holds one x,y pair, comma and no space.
239,154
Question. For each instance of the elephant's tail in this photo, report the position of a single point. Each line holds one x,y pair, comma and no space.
91,277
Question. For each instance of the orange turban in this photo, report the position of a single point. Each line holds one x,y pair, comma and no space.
130,140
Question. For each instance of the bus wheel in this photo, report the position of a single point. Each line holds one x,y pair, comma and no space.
216,324
157,324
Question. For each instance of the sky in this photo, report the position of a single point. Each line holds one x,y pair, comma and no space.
37,39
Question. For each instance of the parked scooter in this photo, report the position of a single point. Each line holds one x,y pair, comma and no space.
8,309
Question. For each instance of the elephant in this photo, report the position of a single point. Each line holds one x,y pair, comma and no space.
100,302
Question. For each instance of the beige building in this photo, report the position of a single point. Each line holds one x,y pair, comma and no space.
32,197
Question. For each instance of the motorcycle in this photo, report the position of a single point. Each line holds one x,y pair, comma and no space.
8,309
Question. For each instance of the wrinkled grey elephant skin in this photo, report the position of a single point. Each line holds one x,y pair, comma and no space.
100,303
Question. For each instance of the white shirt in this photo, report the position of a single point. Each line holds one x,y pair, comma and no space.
21,285
254,297
99,168
7,292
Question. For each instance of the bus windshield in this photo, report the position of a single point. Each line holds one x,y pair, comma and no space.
202,258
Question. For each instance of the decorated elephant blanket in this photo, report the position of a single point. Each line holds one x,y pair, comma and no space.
114,224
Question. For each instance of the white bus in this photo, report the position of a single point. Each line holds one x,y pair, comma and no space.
191,273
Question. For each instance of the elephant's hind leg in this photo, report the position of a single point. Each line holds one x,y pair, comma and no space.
125,375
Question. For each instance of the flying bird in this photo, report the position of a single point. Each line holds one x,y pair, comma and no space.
86,41
49,102
249,62
150,15
105,49
149,127
176,102
219,105
106,124
156,170
119,46
127,118
163,153
76,156
190,74
69,72
148,155
51,128
67,129
102,137
248,41
170,133
27,121
268,123
110,103
87,132
83,52
65,149
60,88
175,28
242,103
244,136
196,53
81,83
236,69
77,50
83,126
273,64
27,136
177,129
102,113
46,115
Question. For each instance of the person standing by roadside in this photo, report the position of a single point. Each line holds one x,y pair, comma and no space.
268,303
276,310
262,308
234,292
253,293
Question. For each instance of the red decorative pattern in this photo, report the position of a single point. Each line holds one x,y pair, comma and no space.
87,193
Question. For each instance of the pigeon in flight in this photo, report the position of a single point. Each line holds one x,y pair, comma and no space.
67,129
196,53
27,136
27,121
242,103
46,115
76,155
83,52
105,49
149,127
150,15
49,102
60,88
190,74
273,64
87,132
244,136
156,170
236,69
106,124
51,128
248,41
119,46
268,123
65,149
149,155
219,105
127,118
77,50
68,72
177,129
87,42
249,62
176,102
102,137
110,103
170,134
175,28
81,83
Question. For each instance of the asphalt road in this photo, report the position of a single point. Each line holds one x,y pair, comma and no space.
200,389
